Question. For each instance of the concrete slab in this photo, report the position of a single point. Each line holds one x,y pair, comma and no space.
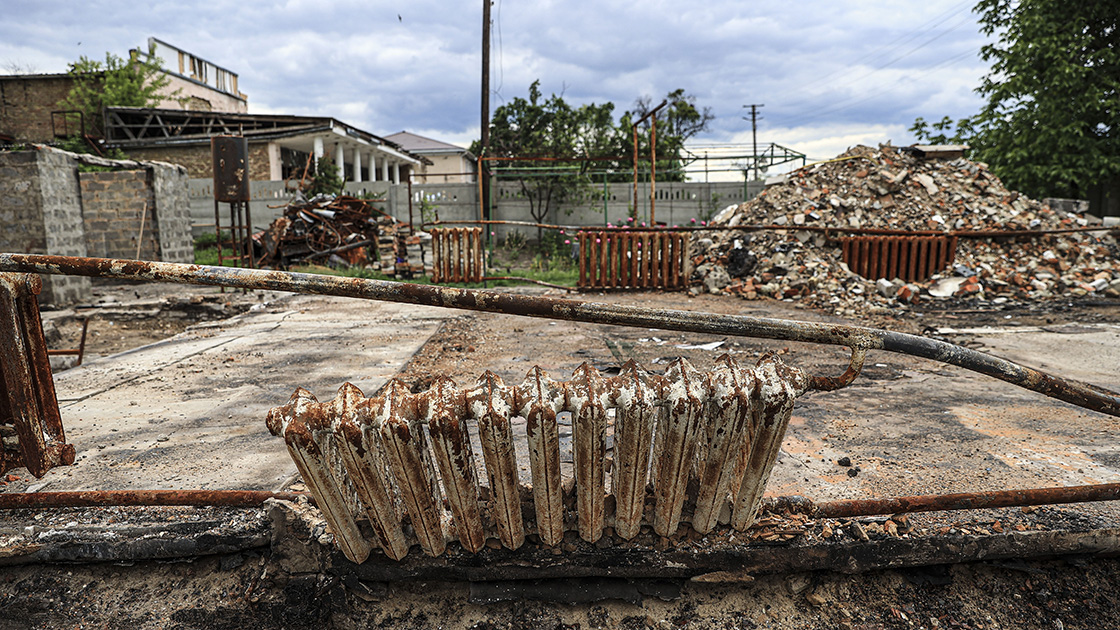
188,412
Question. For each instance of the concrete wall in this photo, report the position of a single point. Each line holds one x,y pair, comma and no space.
48,207
676,203
41,213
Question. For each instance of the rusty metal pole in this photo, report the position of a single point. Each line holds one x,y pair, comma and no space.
653,169
101,498
634,210
945,502
856,337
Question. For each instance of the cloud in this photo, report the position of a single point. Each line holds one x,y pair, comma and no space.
826,71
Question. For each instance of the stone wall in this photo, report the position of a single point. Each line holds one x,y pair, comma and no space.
173,212
118,211
48,207
41,211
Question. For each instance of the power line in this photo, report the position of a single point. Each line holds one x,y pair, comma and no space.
885,49
867,96
901,39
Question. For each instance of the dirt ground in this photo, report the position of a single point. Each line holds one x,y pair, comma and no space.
908,450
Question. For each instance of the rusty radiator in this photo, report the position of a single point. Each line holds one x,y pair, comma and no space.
457,255
910,258
31,432
687,446
619,259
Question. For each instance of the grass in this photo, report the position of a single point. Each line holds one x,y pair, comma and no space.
555,270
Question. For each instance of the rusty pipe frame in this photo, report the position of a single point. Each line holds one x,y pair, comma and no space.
113,498
947,502
853,508
1069,390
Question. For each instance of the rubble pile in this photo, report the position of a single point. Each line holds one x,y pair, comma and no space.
896,188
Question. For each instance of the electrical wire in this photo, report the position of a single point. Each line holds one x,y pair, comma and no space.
846,104
883,50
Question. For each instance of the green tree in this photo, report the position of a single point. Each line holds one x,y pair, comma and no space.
539,127
327,181
1050,125
551,128
115,82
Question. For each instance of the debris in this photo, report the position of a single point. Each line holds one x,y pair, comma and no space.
340,230
898,190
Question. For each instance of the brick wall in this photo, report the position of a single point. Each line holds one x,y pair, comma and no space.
118,211
198,162
26,104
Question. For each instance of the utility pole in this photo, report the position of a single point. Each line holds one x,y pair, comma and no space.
754,134
483,172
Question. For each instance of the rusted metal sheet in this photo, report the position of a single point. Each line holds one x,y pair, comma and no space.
910,258
633,259
230,155
31,433
457,255
722,429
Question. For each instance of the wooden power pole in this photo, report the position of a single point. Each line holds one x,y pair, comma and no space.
483,172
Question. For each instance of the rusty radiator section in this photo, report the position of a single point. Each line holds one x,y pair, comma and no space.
910,258
687,446
623,259
30,425
457,255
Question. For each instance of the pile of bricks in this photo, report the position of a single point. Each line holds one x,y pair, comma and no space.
896,188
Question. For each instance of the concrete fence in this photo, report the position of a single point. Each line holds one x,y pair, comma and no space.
676,203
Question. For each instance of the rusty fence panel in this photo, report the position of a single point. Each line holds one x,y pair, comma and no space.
457,255
694,447
623,259
31,432
910,258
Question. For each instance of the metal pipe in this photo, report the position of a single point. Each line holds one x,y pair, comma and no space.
939,502
791,228
1069,390
826,509
104,498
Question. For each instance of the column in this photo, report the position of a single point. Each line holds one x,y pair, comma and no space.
396,173
340,161
357,165
385,169
318,150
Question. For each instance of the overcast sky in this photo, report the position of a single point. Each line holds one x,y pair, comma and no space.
830,74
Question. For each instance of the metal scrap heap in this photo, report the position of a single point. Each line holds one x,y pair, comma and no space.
898,190
343,230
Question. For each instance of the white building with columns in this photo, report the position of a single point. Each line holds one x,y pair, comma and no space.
279,146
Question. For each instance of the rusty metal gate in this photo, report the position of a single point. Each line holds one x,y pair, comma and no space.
31,432
628,259
457,255
910,258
